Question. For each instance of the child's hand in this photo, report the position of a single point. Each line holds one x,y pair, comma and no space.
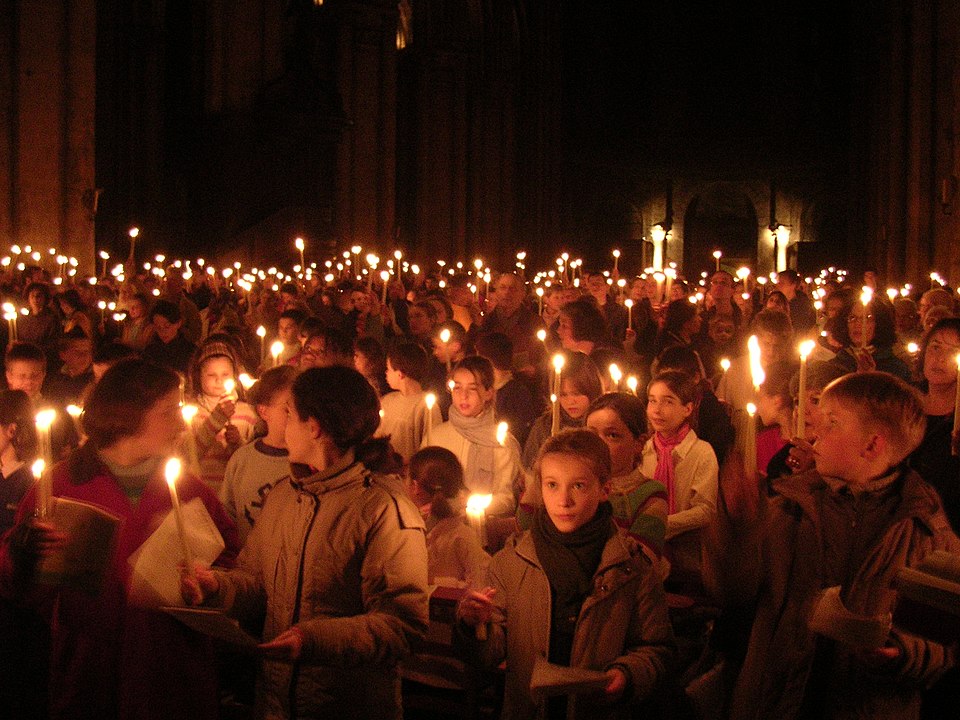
476,608
801,456
617,683
232,434
197,587
865,361
286,646
227,407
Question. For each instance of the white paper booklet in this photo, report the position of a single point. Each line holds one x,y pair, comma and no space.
155,580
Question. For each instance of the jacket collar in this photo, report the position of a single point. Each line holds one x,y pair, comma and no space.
342,473
615,551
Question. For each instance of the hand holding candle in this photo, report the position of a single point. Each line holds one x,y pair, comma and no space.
172,473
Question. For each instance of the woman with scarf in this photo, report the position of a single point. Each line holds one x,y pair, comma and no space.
685,465
607,608
489,465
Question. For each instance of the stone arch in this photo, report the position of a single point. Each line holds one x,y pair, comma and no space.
719,216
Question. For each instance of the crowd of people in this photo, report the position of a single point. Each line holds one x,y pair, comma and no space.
604,421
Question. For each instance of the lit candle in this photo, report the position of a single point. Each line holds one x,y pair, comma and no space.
724,364
716,259
555,414
261,333
385,277
616,375
275,351
806,347
616,260
865,297
300,246
429,400
477,515
659,277
246,380
750,444
445,339
542,336
892,294
629,303
757,374
632,383
539,292
743,273
43,488
75,411
172,472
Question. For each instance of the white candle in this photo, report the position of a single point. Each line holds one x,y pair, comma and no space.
275,351
756,368
865,297
172,472
806,347
429,400
555,414
43,488
616,260
616,375
716,257
629,303
44,420
477,515
300,246
261,333
750,444
632,383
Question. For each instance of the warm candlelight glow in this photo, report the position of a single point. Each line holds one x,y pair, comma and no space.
75,411
542,335
632,383
616,375
38,467
445,336
558,361
913,348
229,385
45,419
246,380
502,430
171,471
757,373
430,400
479,503
806,347
751,409
299,244
189,412
275,349
725,364
261,332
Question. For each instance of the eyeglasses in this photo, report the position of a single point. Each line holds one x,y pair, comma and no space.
858,318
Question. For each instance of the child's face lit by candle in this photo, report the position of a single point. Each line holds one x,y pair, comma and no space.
470,397
665,412
214,373
571,490
573,402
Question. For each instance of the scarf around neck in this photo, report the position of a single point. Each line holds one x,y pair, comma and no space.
481,433
570,560
665,472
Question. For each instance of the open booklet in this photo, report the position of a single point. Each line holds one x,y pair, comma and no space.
928,598
831,618
155,576
215,624
549,680
83,561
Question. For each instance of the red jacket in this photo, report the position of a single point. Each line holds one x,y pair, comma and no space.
110,659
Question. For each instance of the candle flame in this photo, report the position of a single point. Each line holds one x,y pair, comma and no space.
542,335
171,471
725,364
246,380
229,385
39,465
806,347
75,411
751,409
615,373
445,336
430,400
913,348
478,504
45,419
299,243
276,349
632,383
558,362
502,430
189,412
628,302
262,331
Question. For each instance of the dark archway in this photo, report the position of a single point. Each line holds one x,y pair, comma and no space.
721,217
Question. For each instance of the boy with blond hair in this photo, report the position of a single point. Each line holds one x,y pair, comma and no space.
851,523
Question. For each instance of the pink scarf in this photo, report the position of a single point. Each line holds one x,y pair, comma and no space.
665,471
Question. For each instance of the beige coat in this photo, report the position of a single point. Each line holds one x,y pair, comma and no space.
341,555
622,622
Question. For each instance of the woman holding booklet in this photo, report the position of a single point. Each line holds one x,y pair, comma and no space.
112,658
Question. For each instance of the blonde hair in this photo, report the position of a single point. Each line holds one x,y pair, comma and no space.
884,403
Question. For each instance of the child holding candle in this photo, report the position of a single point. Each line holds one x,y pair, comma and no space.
223,421
336,562
404,412
575,591
256,467
580,385
775,407
454,552
685,465
853,523
112,659
489,466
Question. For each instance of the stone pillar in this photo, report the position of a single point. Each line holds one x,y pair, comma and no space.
47,103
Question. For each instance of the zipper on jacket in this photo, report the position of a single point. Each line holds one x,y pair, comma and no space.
295,670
